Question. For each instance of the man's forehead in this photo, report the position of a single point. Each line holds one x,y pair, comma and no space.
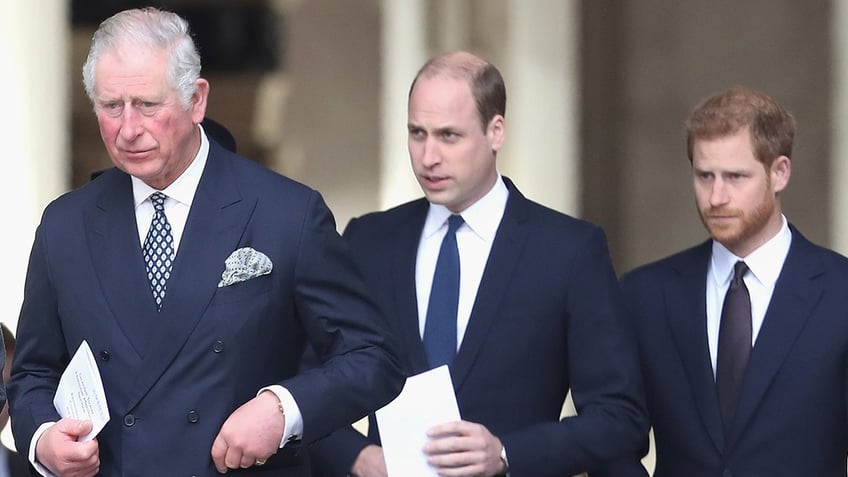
116,80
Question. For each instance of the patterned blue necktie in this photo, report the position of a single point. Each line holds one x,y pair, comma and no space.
440,323
159,249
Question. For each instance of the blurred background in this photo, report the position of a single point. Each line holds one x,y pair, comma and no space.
316,89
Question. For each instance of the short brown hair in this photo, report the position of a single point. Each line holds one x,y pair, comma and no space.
486,83
772,128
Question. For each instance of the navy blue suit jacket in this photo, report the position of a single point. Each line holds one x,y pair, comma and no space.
173,377
547,318
792,418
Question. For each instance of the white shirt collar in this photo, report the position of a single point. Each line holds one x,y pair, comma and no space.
765,263
182,190
482,217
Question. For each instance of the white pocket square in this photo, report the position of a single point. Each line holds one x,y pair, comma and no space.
244,264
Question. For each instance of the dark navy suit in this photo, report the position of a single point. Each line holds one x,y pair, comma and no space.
792,418
173,377
547,317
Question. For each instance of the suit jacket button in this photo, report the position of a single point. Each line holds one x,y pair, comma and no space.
129,420
104,355
193,416
218,346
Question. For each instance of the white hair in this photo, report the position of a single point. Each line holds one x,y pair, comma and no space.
155,29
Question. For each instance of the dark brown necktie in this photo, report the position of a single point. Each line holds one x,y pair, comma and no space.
734,343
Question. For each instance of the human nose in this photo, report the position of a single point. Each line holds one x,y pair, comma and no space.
718,193
130,124
430,155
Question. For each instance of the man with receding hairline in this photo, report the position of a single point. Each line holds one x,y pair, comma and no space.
538,310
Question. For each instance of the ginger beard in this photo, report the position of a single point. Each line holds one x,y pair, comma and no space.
745,224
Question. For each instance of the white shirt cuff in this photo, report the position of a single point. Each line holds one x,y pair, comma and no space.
38,433
294,419
504,459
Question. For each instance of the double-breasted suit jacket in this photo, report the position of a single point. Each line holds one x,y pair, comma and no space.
173,377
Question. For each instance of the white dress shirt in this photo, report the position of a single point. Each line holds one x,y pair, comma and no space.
178,200
764,263
473,239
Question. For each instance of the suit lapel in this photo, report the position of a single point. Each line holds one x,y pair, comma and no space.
403,273
118,262
687,315
795,295
503,258
216,222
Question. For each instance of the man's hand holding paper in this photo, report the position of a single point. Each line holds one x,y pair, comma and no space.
68,447
427,399
62,451
464,448
80,394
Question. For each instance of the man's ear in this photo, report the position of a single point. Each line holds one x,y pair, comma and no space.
496,132
780,171
198,100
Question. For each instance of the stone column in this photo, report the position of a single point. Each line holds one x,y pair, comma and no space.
540,69
35,81
839,120
404,51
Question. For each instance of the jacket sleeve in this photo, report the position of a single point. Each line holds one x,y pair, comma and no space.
604,377
359,368
334,454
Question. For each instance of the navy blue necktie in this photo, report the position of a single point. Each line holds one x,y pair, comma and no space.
734,343
159,249
440,325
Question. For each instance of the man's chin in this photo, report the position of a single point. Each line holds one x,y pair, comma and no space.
144,171
439,197
727,237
